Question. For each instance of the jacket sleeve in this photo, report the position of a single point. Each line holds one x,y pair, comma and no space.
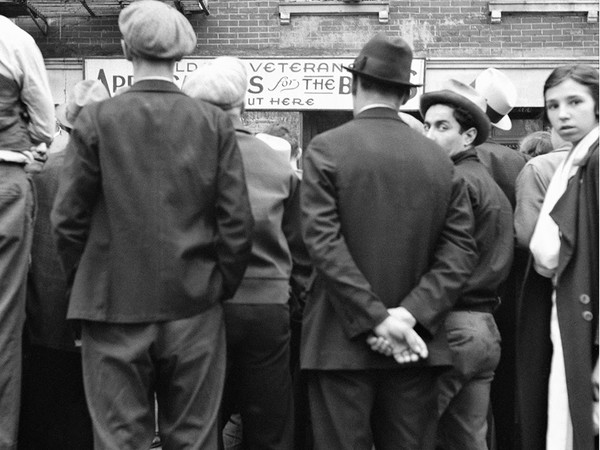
233,214
292,229
78,189
530,192
356,305
454,260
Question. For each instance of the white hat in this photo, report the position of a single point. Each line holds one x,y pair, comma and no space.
222,81
500,94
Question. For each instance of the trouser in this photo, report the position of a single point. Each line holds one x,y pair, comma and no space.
356,409
54,413
259,383
16,225
464,391
182,361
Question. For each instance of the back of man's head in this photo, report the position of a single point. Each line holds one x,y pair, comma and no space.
222,81
153,30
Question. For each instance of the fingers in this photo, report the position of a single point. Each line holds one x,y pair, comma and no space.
416,344
380,345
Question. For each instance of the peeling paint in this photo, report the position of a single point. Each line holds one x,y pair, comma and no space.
413,31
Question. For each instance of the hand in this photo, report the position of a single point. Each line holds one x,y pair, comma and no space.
399,338
401,313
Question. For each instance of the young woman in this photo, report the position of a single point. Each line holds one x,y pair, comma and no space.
558,332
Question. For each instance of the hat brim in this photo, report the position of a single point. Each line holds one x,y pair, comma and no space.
482,122
380,79
504,124
61,115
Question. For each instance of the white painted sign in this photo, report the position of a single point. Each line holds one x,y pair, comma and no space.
274,83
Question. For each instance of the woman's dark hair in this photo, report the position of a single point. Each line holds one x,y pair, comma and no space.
581,73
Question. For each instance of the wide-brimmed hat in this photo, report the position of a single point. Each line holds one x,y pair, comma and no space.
459,94
83,93
222,81
500,94
384,60
154,30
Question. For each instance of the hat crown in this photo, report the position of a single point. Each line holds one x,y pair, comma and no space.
500,94
466,91
385,60
222,81
83,93
154,30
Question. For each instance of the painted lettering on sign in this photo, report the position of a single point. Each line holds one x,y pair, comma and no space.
273,84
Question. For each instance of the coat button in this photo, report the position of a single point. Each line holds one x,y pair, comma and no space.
584,299
587,315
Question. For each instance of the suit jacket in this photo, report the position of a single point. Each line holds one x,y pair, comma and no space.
386,223
152,210
504,165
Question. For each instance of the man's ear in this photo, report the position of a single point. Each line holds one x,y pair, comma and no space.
126,50
469,136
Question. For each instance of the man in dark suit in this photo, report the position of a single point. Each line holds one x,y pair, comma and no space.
387,226
153,228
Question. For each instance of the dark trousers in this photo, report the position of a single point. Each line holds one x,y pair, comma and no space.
258,382
391,409
182,361
54,413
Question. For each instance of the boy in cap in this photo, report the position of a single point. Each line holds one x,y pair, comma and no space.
455,119
26,124
390,258
153,226
54,413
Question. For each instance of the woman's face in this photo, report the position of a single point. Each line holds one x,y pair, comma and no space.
571,110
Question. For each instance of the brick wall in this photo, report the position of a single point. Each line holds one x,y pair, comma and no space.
434,28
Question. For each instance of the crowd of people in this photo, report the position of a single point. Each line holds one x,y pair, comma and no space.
171,278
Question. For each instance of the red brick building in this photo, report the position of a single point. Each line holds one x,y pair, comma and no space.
297,47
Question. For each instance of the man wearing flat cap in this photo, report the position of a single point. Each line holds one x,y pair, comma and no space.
153,224
455,119
386,225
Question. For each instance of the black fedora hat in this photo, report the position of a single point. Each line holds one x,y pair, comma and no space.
384,60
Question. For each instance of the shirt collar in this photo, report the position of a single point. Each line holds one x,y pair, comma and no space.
376,105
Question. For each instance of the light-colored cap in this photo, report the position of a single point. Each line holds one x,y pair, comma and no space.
154,30
84,93
500,94
222,81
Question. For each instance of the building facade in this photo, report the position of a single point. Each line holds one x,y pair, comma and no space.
295,49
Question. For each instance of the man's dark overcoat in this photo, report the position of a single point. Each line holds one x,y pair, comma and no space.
386,224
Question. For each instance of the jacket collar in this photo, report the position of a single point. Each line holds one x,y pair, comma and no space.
470,154
379,113
154,86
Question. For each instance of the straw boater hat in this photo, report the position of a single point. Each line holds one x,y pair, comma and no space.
84,93
459,94
154,30
222,81
500,94
384,60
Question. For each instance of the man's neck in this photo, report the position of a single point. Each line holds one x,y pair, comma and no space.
143,68
363,99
